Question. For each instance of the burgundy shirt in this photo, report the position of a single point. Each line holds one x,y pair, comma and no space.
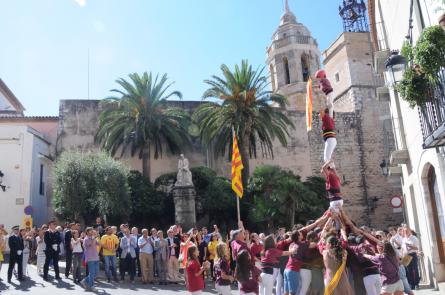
325,86
221,266
294,263
237,246
255,249
388,267
194,283
251,285
271,257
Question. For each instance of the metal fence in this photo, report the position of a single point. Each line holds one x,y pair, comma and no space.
432,114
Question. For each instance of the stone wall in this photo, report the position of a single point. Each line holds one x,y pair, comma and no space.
358,154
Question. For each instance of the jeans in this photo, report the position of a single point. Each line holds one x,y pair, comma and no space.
93,270
110,261
402,275
412,271
77,266
291,281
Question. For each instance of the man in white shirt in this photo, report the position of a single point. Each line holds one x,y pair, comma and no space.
411,246
145,244
397,239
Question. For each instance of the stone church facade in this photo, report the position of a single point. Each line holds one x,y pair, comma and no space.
363,125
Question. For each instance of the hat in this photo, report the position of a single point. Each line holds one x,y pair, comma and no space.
234,233
15,227
320,74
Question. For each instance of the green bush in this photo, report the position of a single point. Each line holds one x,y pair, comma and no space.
414,88
90,184
429,52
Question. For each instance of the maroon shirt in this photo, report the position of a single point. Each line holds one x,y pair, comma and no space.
388,267
271,257
325,86
251,285
194,283
328,127
294,263
221,266
255,249
237,246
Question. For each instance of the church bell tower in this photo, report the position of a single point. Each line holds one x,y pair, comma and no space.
292,58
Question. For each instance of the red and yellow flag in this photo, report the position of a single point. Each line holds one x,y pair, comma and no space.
309,105
237,166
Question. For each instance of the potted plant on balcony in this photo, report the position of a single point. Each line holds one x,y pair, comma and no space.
440,8
414,87
429,52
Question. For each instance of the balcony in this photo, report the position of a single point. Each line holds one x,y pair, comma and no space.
395,171
432,115
383,93
399,157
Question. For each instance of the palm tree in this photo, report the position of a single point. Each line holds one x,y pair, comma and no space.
140,119
245,104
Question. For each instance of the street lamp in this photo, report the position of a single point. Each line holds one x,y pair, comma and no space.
384,167
395,65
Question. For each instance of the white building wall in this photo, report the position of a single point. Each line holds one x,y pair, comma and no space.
19,150
395,16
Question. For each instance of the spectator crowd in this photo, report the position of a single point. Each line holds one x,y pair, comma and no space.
330,255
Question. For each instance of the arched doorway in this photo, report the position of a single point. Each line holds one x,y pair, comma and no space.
437,212
305,67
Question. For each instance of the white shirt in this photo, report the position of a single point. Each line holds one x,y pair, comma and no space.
77,246
411,241
172,249
41,247
147,248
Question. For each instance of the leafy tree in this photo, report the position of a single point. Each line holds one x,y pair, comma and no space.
140,119
247,105
87,184
149,206
281,198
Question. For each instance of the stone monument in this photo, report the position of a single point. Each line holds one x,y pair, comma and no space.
184,195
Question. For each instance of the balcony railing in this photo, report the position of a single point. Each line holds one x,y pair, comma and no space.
432,115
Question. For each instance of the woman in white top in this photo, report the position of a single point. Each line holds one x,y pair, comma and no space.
27,240
40,252
76,247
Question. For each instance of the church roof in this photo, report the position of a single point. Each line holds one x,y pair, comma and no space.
288,17
12,99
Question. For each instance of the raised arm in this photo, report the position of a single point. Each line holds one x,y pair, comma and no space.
319,222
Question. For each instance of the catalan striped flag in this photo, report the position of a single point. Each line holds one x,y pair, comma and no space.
237,166
309,105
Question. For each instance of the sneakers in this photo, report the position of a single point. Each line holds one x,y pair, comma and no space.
84,284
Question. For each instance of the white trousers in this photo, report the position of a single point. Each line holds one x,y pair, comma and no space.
223,290
40,262
329,147
196,293
306,278
267,283
373,285
25,263
279,288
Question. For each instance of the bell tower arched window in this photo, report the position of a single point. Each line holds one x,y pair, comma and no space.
305,67
272,77
286,70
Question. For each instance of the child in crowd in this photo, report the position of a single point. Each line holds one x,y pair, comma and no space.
246,273
76,246
222,271
194,271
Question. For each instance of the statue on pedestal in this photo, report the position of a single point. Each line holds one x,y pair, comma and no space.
184,177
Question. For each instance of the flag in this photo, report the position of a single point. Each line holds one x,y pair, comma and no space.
309,105
237,166
27,221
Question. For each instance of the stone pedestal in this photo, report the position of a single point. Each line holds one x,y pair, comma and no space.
185,212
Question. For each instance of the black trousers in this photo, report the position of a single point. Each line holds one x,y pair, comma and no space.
13,259
54,257
127,264
69,261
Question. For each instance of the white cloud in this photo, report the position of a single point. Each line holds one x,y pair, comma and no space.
81,3
99,26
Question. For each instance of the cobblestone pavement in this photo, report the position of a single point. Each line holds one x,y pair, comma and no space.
35,285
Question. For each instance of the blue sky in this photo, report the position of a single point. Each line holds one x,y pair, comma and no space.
43,56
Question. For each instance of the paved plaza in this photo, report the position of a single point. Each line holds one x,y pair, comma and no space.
37,286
